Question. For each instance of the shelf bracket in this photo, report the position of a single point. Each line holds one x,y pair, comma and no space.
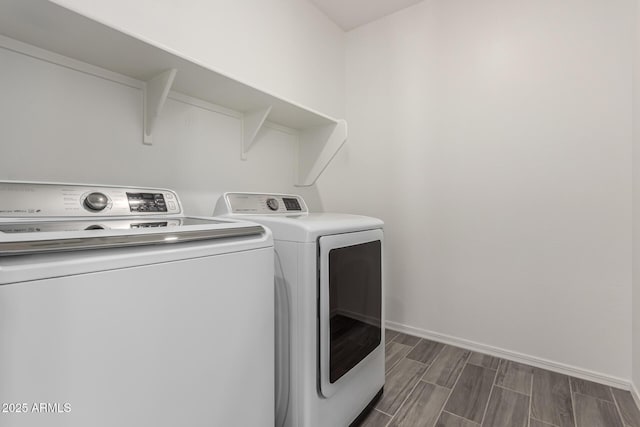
155,93
252,121
318,146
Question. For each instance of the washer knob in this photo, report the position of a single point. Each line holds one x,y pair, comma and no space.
272,204
96,202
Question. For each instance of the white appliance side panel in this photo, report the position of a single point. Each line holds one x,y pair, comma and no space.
181,343
288,334
309,410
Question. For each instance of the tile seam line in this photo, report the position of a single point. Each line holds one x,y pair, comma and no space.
511,390
530,399
615,402
543,422
608,387
398,361
493,385
593,397
431,365
392,339
573,403
458,416
444,405
388,423
424,363
488,355
605,401
382,412
412,389
405,399
412,346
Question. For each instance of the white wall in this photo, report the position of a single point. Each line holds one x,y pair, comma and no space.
57,124
636,203
494,139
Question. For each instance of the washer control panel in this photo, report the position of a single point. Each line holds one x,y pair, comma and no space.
33,200
261,204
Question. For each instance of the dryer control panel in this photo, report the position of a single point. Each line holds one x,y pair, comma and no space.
34,200
262,204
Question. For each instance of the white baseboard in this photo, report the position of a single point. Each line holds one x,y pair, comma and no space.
538,362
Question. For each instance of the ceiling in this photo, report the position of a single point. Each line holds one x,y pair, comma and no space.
349,14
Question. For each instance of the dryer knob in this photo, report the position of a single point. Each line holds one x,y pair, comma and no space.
96,202
273,204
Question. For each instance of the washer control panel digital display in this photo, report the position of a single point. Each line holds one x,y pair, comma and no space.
291,204
147,202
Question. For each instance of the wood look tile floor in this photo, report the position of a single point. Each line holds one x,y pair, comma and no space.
432,384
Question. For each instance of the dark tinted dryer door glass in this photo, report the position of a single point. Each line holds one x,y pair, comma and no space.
355,304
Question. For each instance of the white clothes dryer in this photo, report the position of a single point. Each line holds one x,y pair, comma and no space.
119,310
329,310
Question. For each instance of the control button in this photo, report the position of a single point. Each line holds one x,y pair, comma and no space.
172,205
272,204
96,202
169,196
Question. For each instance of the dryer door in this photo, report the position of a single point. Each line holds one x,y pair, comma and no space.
350,304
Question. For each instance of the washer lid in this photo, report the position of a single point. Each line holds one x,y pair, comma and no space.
88,224
28,237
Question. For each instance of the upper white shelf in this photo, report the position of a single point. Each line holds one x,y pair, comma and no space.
54,28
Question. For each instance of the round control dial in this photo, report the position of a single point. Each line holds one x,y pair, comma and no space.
272,204
96,202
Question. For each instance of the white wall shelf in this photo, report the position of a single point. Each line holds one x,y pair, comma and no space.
155,93
45,25
252,122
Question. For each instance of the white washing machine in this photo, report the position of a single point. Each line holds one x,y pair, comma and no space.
329,310
118,310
